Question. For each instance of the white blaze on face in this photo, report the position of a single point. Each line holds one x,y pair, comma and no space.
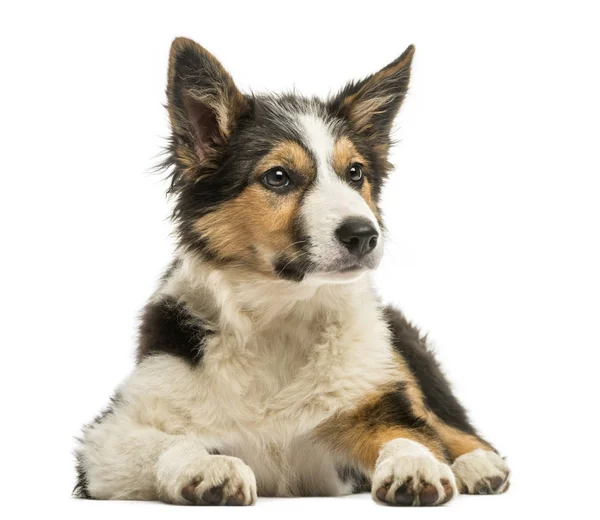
331,200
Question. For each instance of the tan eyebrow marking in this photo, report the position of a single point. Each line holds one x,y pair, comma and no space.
288,154
344,154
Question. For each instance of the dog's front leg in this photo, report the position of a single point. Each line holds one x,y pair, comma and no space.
119,459
402,454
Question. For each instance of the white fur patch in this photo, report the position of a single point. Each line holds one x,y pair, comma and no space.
401,459
331,200
474,468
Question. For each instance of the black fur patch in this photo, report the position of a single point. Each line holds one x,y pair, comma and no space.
395,408
436,389
168,328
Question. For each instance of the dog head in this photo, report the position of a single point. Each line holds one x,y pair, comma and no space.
285,186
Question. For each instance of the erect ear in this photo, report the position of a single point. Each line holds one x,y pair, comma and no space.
372,104
204,103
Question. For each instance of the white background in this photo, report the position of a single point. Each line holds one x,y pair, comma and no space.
493,213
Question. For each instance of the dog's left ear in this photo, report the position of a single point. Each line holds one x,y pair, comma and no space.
204,103
372,104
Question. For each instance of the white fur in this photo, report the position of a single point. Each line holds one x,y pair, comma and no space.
287,356
471,469
331,200
401,459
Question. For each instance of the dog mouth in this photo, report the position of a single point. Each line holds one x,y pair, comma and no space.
336,273
338,270
340,275
346,266
349,269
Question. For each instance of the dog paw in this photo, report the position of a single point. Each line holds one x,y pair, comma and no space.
222,481
481,473
211,480
407,474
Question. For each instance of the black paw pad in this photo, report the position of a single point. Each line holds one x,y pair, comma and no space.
404,495
428,494
382,492
495,483
490,486
213,495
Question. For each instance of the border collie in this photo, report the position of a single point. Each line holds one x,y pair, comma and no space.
266,363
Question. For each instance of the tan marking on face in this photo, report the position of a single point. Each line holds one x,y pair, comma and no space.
251,227
366,193
344,154
258,225
291,156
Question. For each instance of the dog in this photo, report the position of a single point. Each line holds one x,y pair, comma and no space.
266,363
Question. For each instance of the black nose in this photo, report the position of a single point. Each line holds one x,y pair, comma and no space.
358,235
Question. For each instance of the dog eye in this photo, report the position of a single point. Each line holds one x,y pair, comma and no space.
276,178
355,172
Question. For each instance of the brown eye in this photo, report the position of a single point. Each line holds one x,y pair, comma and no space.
276,178
355,172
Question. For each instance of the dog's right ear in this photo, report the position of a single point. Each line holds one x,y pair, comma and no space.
372,104
204,104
